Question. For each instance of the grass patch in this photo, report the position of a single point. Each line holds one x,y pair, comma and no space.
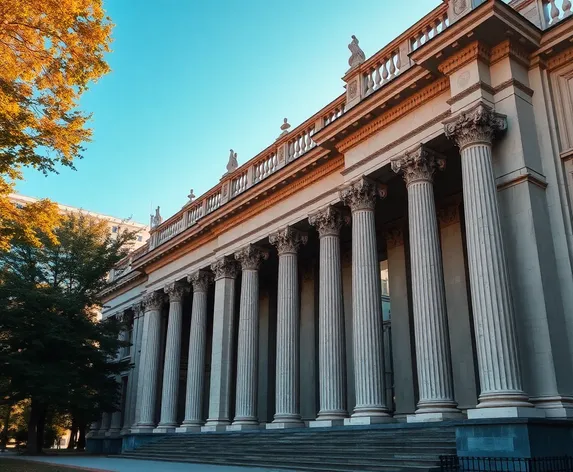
18,465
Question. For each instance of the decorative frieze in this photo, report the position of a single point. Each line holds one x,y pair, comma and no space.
251,257
362,193
478,124
225,268
328,221
288,240
153,301
418,164
475,51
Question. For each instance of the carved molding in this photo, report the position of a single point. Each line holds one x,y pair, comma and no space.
251,257
514,83
328,221
511,50
153,301
418,164
288,240
561,59
200,280
361,194
176,291
472,52
225,268
471,89
479,124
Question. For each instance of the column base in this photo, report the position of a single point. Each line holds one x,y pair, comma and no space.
555,407
215,425
189,427
112,433
143,429
505,412
165,428
124,431
284,424
367,420
243,426
318,423
438,416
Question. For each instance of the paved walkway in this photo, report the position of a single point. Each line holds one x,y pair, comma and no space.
110,464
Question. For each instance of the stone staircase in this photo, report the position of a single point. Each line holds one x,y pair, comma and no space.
386,448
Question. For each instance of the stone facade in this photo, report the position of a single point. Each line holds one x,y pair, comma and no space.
448,160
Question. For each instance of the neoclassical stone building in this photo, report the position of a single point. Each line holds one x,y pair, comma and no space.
404,255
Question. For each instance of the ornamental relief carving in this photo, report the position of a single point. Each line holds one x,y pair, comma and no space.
479,124
288,240
153,301
418,165
200,280
328,221
362,193
176,291
251,257
225,268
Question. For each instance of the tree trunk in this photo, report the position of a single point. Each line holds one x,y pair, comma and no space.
73,434
35,427
82,439
4,439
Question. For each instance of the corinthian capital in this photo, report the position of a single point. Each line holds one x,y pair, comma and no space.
418,164
479,124
328,221
176,291
153,301
288,240
361,194
250,257
225,268
200,280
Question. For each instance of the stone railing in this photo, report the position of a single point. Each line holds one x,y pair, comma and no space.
266,166
430,29
301,143
543,13
556,10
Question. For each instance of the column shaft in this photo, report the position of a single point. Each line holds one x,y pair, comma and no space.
136,359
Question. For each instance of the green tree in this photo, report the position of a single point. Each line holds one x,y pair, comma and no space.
53,349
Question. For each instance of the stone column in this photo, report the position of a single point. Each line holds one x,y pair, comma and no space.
94,429
246,416
287,404
105,423
136,360
332,359
368,339
494,318
222,352
200,281
150,355
115,424
433,358
168,420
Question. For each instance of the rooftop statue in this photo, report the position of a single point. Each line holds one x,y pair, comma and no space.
284,128
357,55
155,220
233,164
191,197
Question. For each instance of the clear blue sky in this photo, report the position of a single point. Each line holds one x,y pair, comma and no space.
193,78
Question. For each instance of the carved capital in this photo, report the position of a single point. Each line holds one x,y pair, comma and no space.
251,257
137,308
361,194
418,164
479,124
176,291
200,280
225,268
153,301
328,221
288,240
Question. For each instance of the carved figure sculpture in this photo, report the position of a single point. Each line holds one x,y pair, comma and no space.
357,55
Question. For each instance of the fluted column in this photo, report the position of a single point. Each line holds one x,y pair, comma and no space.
136,357
332,359
433,358
168,420
222,351
492,303
287,404
200,281
105,423
246,417
147,388
368,339
115,424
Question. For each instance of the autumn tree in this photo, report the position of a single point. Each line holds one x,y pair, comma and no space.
50,51
53,349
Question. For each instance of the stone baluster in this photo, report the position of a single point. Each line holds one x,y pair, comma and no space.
494,319
193,421
150,356
332,359
433,358
368,341
246,417
225,270
287,414
172,362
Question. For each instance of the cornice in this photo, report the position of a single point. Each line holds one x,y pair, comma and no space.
394,113
565,57
528,177
511,50
471,89
475,51
130,280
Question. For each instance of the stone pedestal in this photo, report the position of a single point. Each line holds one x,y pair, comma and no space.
168,420
370,407
433,358
287,413
196,361
151,342
222,351
332,359
494,318
250,259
